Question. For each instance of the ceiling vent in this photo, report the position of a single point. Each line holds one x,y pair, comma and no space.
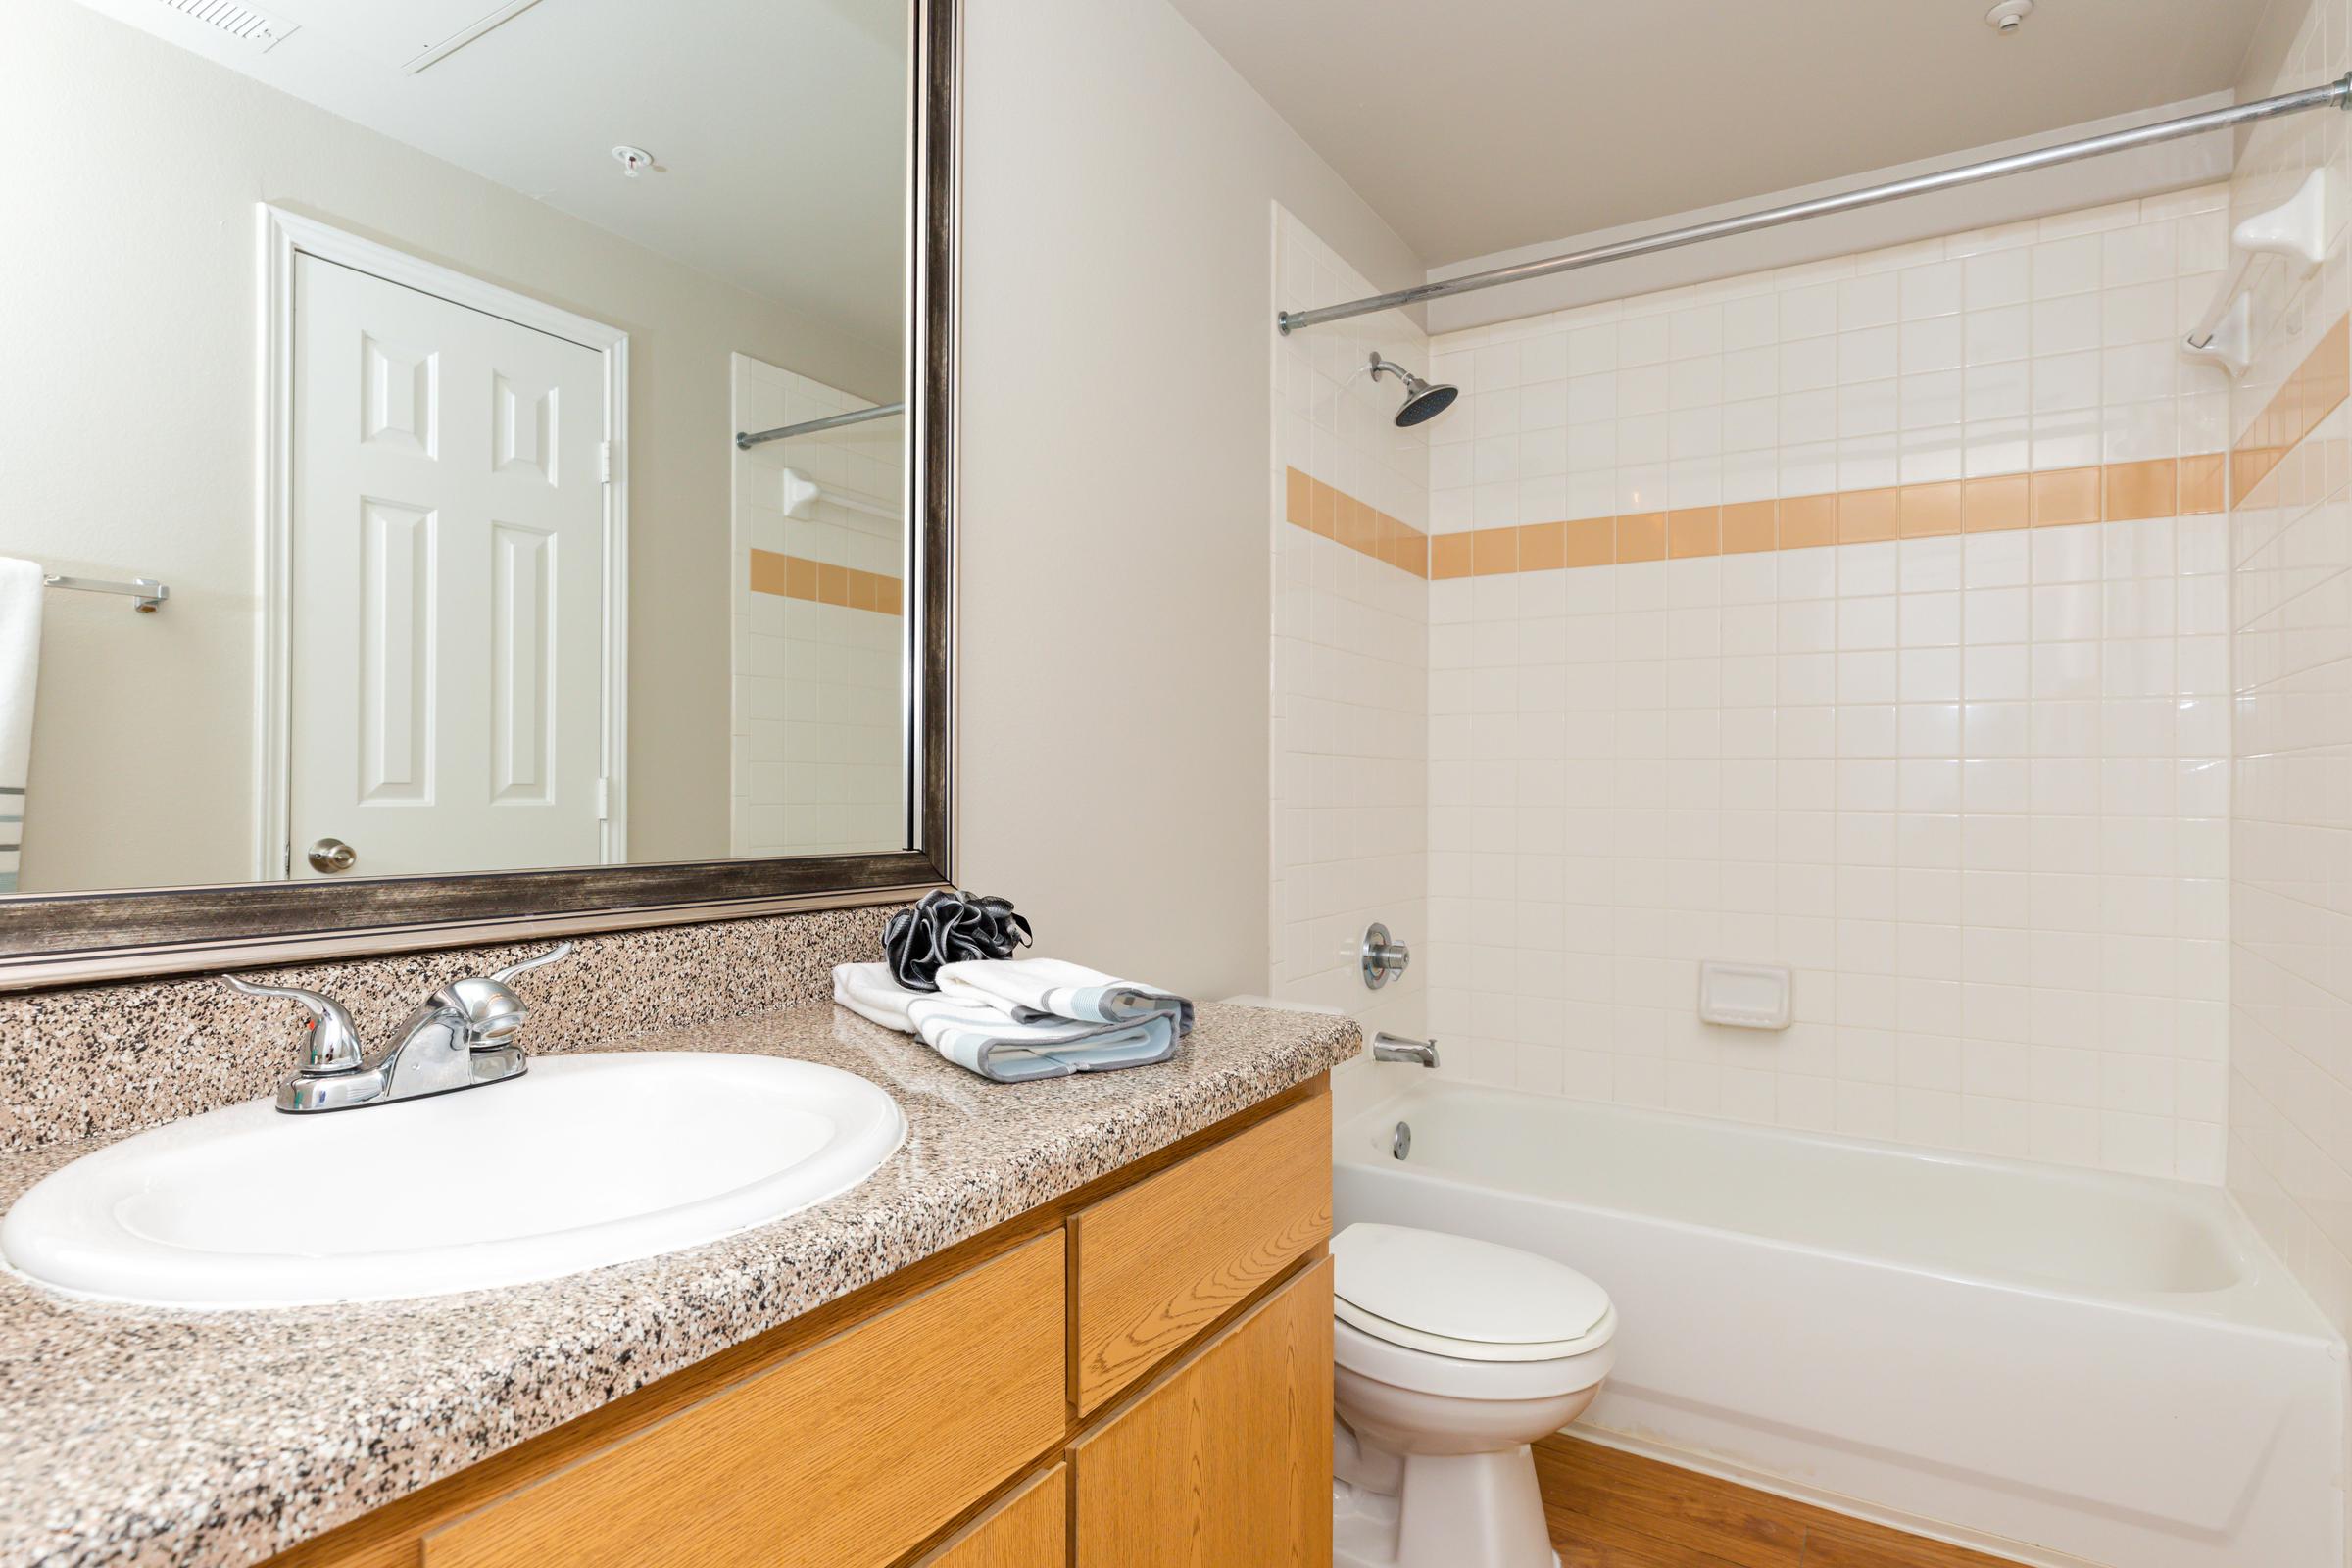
257,29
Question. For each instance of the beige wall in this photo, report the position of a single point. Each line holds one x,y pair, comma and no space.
129,262
1118,185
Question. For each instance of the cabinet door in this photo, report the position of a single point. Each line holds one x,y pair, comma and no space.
1028,1530
845,1456
1227,1458
1165,1258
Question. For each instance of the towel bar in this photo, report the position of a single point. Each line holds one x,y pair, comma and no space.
146,591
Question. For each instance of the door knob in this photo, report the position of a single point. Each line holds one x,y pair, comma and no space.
333,855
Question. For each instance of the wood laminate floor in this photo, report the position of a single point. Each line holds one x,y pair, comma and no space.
1610,1509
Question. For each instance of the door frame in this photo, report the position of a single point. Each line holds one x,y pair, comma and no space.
285,235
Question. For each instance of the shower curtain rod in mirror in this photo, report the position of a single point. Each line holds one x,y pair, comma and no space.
748,439
2336,94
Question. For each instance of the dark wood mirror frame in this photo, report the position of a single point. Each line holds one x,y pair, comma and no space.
78,936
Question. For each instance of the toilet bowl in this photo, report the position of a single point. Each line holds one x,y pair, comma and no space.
1451,1356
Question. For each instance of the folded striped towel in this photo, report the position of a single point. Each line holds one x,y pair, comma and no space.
986,1038
1052,988
869,990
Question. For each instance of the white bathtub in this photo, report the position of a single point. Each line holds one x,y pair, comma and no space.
2063,1366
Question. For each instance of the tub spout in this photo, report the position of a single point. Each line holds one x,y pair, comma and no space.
1387,1047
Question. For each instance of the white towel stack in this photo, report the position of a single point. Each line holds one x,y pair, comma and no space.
20,672
1014,1019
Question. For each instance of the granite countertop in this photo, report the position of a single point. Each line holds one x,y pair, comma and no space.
139,1435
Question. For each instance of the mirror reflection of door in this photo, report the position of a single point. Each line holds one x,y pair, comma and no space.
397,628
445,641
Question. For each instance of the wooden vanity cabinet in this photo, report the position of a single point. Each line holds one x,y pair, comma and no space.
1028,1530
1155,1263
1134,1376
851,1452
1226,1460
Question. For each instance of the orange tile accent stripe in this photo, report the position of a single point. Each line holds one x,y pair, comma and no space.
821,582
2119,492
2309,395
1335,515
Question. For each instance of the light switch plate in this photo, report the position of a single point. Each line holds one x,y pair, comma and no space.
1744,995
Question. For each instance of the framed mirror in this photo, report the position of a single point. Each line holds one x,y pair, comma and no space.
470,468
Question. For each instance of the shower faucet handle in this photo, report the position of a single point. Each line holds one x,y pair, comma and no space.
1383,956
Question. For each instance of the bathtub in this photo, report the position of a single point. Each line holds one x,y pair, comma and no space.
2066,1367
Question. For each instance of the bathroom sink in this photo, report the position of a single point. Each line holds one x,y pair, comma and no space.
583,1161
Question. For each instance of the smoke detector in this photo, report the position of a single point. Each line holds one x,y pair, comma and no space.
2009,15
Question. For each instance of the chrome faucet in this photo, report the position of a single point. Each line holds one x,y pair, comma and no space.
460,1037
1387,1047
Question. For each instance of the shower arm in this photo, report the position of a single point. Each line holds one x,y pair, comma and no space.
2336,94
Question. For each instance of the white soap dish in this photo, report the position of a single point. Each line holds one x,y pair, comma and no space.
1744,995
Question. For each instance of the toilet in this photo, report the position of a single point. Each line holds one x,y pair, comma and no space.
1453,1355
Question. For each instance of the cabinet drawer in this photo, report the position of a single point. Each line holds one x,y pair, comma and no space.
1227,1459
1163,1260
843,1456
1028,1530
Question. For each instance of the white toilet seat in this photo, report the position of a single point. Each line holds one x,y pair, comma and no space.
1412,1339
1455,1378
1464,1298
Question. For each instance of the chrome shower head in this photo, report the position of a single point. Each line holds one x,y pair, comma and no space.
1423,400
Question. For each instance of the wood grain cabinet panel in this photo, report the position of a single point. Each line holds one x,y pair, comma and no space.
846,1455
1165,1258
1028,1530
1227,1459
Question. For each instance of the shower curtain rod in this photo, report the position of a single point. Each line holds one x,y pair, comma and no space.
2336,94
748,439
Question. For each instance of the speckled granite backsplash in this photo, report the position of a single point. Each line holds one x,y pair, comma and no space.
84,1060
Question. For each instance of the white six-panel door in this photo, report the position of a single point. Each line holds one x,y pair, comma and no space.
446,643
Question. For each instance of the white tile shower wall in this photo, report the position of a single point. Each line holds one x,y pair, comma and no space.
1350,657
817,737
2036,346
2290,1050
1973,788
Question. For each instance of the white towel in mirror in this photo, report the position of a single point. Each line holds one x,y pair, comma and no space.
20,672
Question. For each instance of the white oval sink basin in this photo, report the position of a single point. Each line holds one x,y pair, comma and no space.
583,1161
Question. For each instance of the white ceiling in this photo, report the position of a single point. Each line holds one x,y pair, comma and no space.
1475,125
779,125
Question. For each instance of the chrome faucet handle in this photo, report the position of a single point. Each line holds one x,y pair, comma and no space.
333,1045
490,1007
561,950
